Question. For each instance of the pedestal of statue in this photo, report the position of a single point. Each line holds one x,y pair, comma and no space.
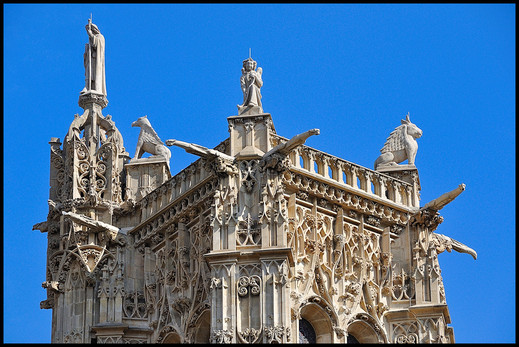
144,175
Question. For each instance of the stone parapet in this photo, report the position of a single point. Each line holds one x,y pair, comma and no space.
356,177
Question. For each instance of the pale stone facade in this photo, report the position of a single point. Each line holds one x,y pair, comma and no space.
261,240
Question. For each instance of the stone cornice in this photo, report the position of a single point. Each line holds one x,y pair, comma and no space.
92,98
331,157
352,190
109,329
261,253
346,196
417,311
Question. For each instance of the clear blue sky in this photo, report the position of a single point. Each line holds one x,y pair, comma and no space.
353,71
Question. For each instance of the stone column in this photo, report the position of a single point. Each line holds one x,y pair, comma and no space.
223,301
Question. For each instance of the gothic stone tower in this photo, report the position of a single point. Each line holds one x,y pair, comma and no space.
261,240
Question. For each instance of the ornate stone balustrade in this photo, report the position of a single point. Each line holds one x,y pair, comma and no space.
169,191
173,188
358,178
170,199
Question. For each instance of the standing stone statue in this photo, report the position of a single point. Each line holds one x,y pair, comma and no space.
251,83
94,60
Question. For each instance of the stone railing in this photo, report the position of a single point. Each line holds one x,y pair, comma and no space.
177,185
355,177
172,189
173,198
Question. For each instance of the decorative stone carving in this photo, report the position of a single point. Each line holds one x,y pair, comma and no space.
442,243
250,335
397,229
255,235
221,336
406,333
88,99
93,225
276,334
246,284
134,305
251,83
90,256
248,232
400,145
109,339
438,203
75,336
134,341
201,151
373,221
248,171
296,141
94,61
149,142
428,217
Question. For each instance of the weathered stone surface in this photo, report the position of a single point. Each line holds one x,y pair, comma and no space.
262,239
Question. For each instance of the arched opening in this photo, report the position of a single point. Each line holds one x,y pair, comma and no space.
319,321
302,162
203,328
172,338
352,339
306,332
362,332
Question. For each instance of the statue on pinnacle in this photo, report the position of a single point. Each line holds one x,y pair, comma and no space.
94,61
251,83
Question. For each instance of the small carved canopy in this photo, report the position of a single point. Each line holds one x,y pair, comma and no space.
107,128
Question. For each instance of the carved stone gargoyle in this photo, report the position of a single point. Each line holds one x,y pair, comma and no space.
201,151
276,156
440,202
445,243
223,163
92,224
91,254
296,141
429,216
